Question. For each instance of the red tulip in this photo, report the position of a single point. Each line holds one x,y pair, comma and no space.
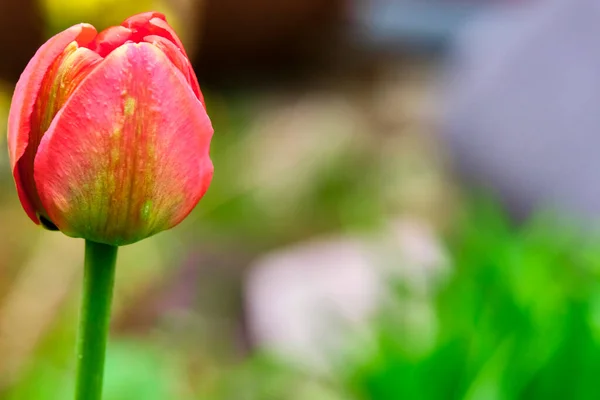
108,134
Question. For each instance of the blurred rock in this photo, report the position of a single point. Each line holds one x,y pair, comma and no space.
308,302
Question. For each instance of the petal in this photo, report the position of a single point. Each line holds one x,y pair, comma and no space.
61,79
109,39
153,23
179,59
161,27
25,96
127,156
143,18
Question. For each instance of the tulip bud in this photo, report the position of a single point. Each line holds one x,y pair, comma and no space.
108,134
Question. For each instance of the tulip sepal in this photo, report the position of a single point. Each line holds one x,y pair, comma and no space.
98,282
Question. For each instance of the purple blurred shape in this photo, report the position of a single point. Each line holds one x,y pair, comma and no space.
522,106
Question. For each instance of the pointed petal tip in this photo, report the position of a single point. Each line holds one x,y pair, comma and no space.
179,59
142,19
109,39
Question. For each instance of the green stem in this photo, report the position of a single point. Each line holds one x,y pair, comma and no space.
98,281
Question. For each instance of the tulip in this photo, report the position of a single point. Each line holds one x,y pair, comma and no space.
108,134
108,140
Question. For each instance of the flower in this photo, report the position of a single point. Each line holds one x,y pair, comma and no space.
108,134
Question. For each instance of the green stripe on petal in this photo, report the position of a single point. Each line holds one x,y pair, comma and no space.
127,156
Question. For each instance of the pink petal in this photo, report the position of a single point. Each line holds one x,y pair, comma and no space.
143,18
109,39
178,58
152,23
127,156
25,96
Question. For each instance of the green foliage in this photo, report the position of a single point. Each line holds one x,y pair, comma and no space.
518,318
134,370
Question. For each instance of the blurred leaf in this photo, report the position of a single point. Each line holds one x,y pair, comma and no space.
518,319
138,370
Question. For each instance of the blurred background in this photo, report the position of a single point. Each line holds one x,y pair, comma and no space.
405,206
